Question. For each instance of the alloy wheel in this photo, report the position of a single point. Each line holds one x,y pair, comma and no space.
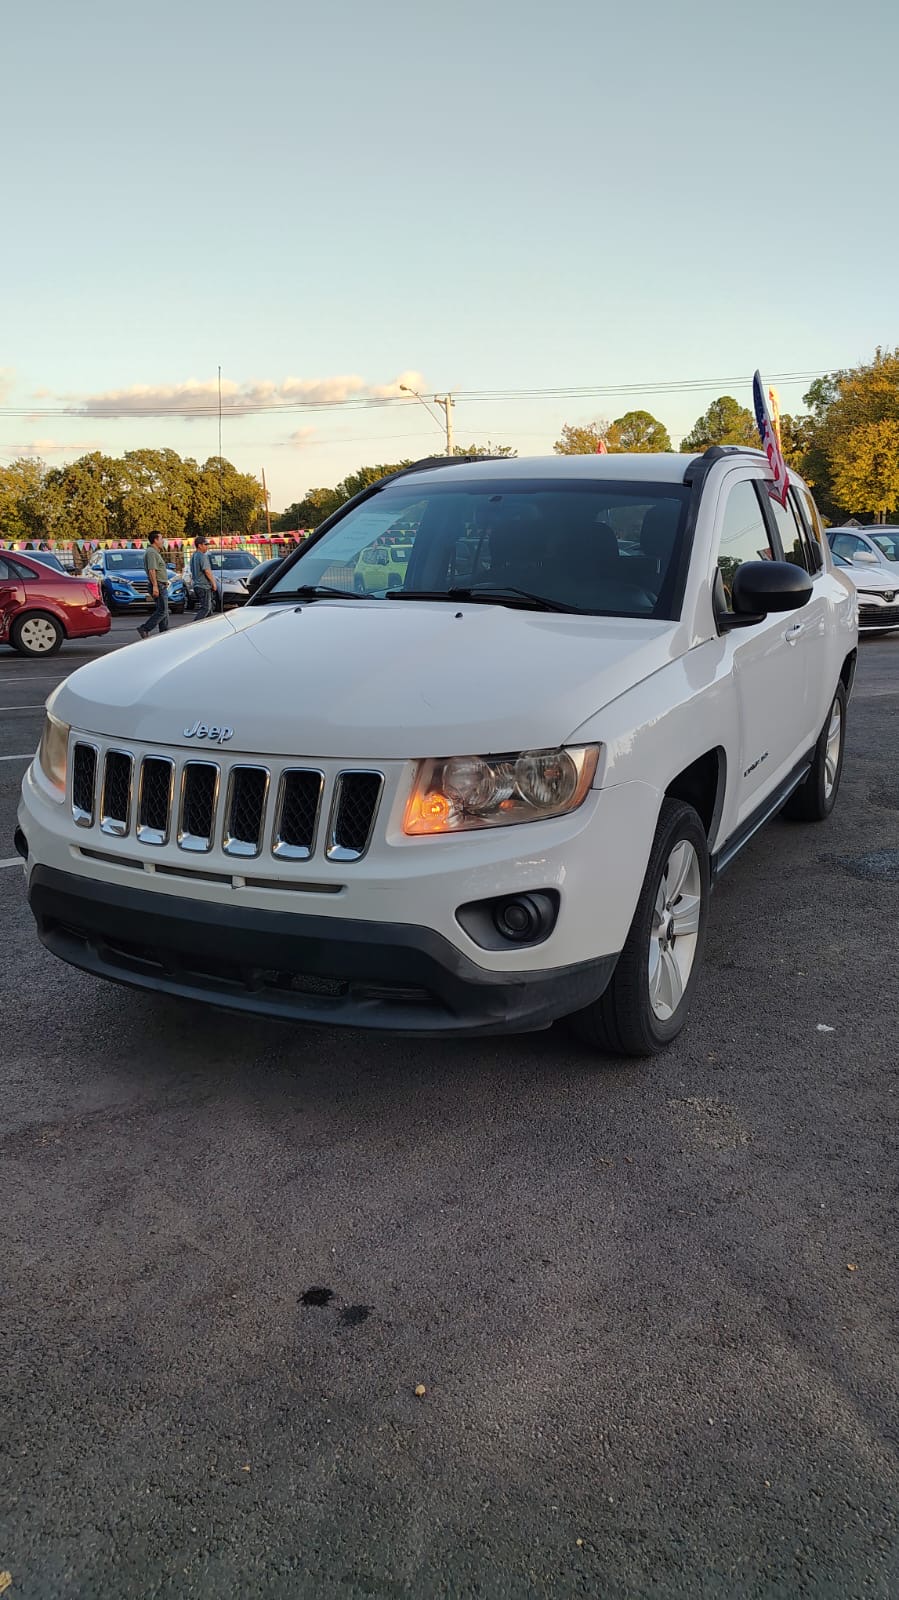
675,930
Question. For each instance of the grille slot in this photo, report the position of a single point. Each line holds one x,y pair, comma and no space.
84,780
296,815
115,805
199,793
353,813
245,810
154,802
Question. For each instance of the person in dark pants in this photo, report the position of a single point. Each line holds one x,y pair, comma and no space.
205,586
158,574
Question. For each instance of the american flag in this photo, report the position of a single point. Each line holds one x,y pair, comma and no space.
770,443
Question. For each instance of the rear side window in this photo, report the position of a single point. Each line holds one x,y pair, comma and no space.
744,535
809,513
18,569
792,535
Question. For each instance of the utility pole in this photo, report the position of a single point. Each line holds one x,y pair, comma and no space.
268,515
444,400
447,402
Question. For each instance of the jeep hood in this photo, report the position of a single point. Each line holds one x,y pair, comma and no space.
375,680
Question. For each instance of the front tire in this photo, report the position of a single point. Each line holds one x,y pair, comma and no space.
816,796
648,999
36,634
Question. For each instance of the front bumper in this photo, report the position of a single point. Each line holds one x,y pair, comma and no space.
386,976
876,614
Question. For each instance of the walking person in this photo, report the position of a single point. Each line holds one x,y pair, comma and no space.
205,586
158,574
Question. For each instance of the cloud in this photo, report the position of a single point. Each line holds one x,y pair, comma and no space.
196,398
52,447
299,439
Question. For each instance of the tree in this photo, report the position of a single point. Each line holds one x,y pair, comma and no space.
581,441
155,492
27,509
221,498
851,456
89,493
505,451
637,432
866,477
725,422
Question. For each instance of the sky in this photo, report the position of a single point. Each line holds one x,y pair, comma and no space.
493,196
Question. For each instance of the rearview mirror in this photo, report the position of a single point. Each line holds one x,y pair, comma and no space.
264,570
760,587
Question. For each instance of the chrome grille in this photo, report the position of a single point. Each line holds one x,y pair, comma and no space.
115,805
245,811
240,808
84,780
154,802
355,806
296,816
199,792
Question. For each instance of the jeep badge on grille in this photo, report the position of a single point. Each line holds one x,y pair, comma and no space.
208,730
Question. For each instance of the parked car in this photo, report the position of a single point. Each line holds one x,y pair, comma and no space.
382,566
232,570
124,583
39,607
47,558
872,547
878,594
480,803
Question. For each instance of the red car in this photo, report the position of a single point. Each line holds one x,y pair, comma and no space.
40,607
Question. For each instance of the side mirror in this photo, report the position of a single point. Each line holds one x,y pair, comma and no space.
760,587
866,556
259,574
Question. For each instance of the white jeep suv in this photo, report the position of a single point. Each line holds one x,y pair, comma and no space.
492,797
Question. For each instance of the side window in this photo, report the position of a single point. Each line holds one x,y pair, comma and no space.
4,569
792,534
809,512
744,535
847,546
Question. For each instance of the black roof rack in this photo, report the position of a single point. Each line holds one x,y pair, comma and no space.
431,463
701,465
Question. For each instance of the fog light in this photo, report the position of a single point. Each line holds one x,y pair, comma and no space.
526,917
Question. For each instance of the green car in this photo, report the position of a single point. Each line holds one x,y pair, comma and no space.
381,567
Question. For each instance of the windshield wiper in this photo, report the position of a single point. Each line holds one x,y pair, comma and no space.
500,596
314,591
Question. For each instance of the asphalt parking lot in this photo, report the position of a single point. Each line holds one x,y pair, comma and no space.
653,1306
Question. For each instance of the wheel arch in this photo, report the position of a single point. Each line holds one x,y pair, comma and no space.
702,784
45,609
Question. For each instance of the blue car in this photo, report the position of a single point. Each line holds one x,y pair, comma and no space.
124,583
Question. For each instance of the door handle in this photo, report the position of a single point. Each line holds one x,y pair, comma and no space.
795,632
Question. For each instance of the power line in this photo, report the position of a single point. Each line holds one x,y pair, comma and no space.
250,408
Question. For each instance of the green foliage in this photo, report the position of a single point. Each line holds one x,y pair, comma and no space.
637,432
851,450
505,451
725,422
22,503
584,441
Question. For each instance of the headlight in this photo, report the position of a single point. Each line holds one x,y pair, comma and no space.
462,792
51,753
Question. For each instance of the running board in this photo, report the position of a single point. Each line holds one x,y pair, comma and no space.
769,808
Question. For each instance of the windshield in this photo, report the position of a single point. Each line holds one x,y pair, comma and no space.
887,544
609,548
232,560
124,560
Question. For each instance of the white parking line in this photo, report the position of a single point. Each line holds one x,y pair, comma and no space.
23,708
16,758
11,861
33,678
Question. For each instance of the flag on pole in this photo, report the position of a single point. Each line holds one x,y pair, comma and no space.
602,448
770,443
774,408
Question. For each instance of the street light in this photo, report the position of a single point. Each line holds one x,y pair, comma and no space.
447,402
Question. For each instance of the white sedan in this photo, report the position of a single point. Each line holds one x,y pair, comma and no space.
878,594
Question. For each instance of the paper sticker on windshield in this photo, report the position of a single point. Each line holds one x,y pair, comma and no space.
359,530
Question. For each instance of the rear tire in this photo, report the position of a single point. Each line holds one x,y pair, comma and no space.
816,796
36,634
648,999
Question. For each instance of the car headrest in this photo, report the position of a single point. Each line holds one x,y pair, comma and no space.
659,529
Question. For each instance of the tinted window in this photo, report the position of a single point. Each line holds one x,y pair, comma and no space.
605,547
792,534
808,513
887,544
744,535
4,569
